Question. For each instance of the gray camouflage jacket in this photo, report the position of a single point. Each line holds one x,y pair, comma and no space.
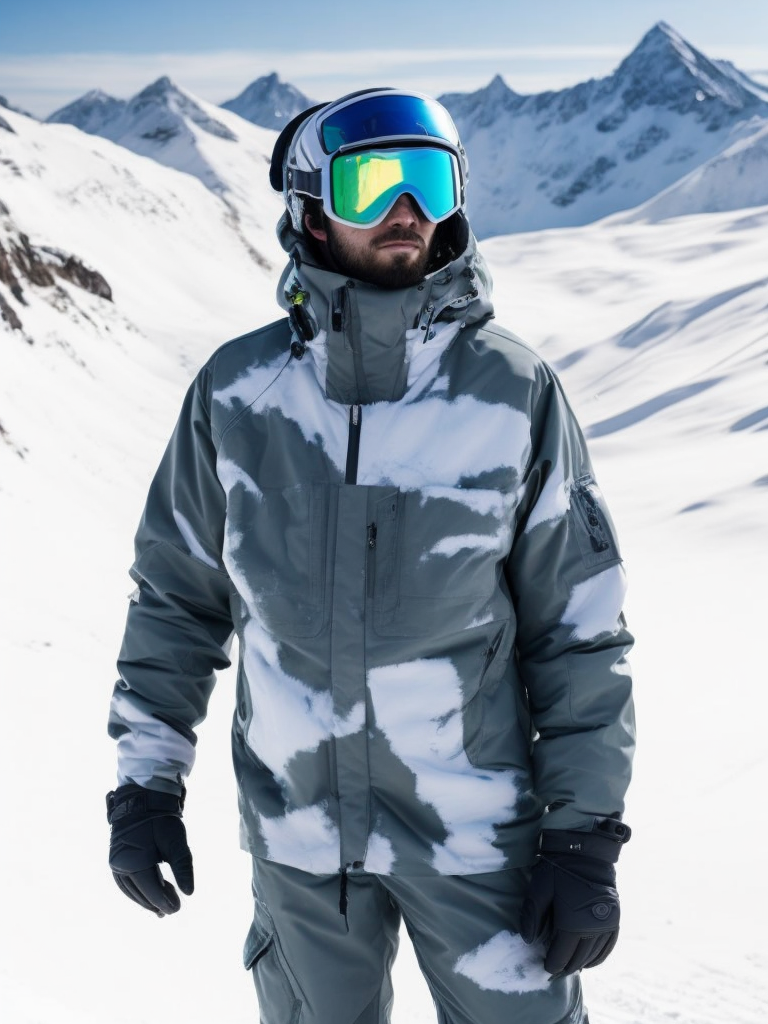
399,521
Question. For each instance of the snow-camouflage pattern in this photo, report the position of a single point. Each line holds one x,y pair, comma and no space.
431,657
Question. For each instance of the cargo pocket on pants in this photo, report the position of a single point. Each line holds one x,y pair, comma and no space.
277,1000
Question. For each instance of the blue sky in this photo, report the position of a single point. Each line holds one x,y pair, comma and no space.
53,51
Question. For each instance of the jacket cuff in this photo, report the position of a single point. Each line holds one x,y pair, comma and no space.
603,842
136,801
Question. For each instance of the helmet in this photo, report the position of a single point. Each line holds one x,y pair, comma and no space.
359,154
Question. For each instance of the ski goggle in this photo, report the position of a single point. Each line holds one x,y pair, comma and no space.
385,116
365,185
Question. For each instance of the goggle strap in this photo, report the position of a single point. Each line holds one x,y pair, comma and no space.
309,182
284,140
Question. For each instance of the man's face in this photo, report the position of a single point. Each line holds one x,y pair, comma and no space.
394,254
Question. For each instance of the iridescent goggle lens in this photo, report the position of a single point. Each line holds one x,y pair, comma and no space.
365,185
386,116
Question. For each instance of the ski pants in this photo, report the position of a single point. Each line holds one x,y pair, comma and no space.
313,964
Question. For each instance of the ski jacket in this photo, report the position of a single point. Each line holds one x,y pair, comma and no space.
386,497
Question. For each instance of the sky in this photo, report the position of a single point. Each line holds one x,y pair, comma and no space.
53,52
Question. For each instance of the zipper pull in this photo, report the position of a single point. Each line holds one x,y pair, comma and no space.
338,298
372,531
344,897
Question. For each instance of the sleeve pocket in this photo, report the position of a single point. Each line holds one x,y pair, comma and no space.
592,524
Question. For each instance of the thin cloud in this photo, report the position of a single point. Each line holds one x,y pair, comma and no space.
46,82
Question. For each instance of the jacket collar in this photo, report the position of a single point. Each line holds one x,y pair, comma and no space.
362,328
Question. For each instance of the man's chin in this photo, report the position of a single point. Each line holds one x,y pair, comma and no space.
380,266
398,269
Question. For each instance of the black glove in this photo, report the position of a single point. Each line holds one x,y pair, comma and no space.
572,905
147,829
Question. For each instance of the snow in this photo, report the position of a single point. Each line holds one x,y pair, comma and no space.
734,178
570,157
225,152
505,964
658,329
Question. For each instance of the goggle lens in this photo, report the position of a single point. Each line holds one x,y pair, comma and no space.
384,116
365,185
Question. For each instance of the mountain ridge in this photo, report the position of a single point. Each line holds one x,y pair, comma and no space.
552,159
579,154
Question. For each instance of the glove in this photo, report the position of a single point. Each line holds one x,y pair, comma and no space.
147,829
572,905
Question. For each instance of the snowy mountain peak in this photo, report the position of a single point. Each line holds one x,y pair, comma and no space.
168,105
483,107
660,37
579,154
90,112
497,91
268,102
664,70
160,112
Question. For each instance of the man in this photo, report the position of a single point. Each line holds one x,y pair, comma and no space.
387,498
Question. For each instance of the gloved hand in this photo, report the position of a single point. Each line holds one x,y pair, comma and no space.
572,905
147,829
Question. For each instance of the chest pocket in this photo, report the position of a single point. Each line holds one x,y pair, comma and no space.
282,554
437,559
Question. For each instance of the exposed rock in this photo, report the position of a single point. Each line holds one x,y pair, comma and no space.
6,437
645,142
617,135
8,314
23,264
8,278
586,180
30,264
73,269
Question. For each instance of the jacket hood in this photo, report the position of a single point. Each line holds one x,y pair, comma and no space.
360,332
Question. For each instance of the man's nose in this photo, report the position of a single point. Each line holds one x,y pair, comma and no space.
405,211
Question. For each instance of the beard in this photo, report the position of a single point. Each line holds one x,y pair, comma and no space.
374,265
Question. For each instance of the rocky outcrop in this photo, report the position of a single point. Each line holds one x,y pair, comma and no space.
8,314
25,265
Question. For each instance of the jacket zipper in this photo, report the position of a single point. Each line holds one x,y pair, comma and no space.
353,444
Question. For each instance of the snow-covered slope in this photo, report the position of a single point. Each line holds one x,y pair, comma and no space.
756,83
229,155
10,106
123,275
659,334
659,331
734,179
101,248
574,156
269,102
